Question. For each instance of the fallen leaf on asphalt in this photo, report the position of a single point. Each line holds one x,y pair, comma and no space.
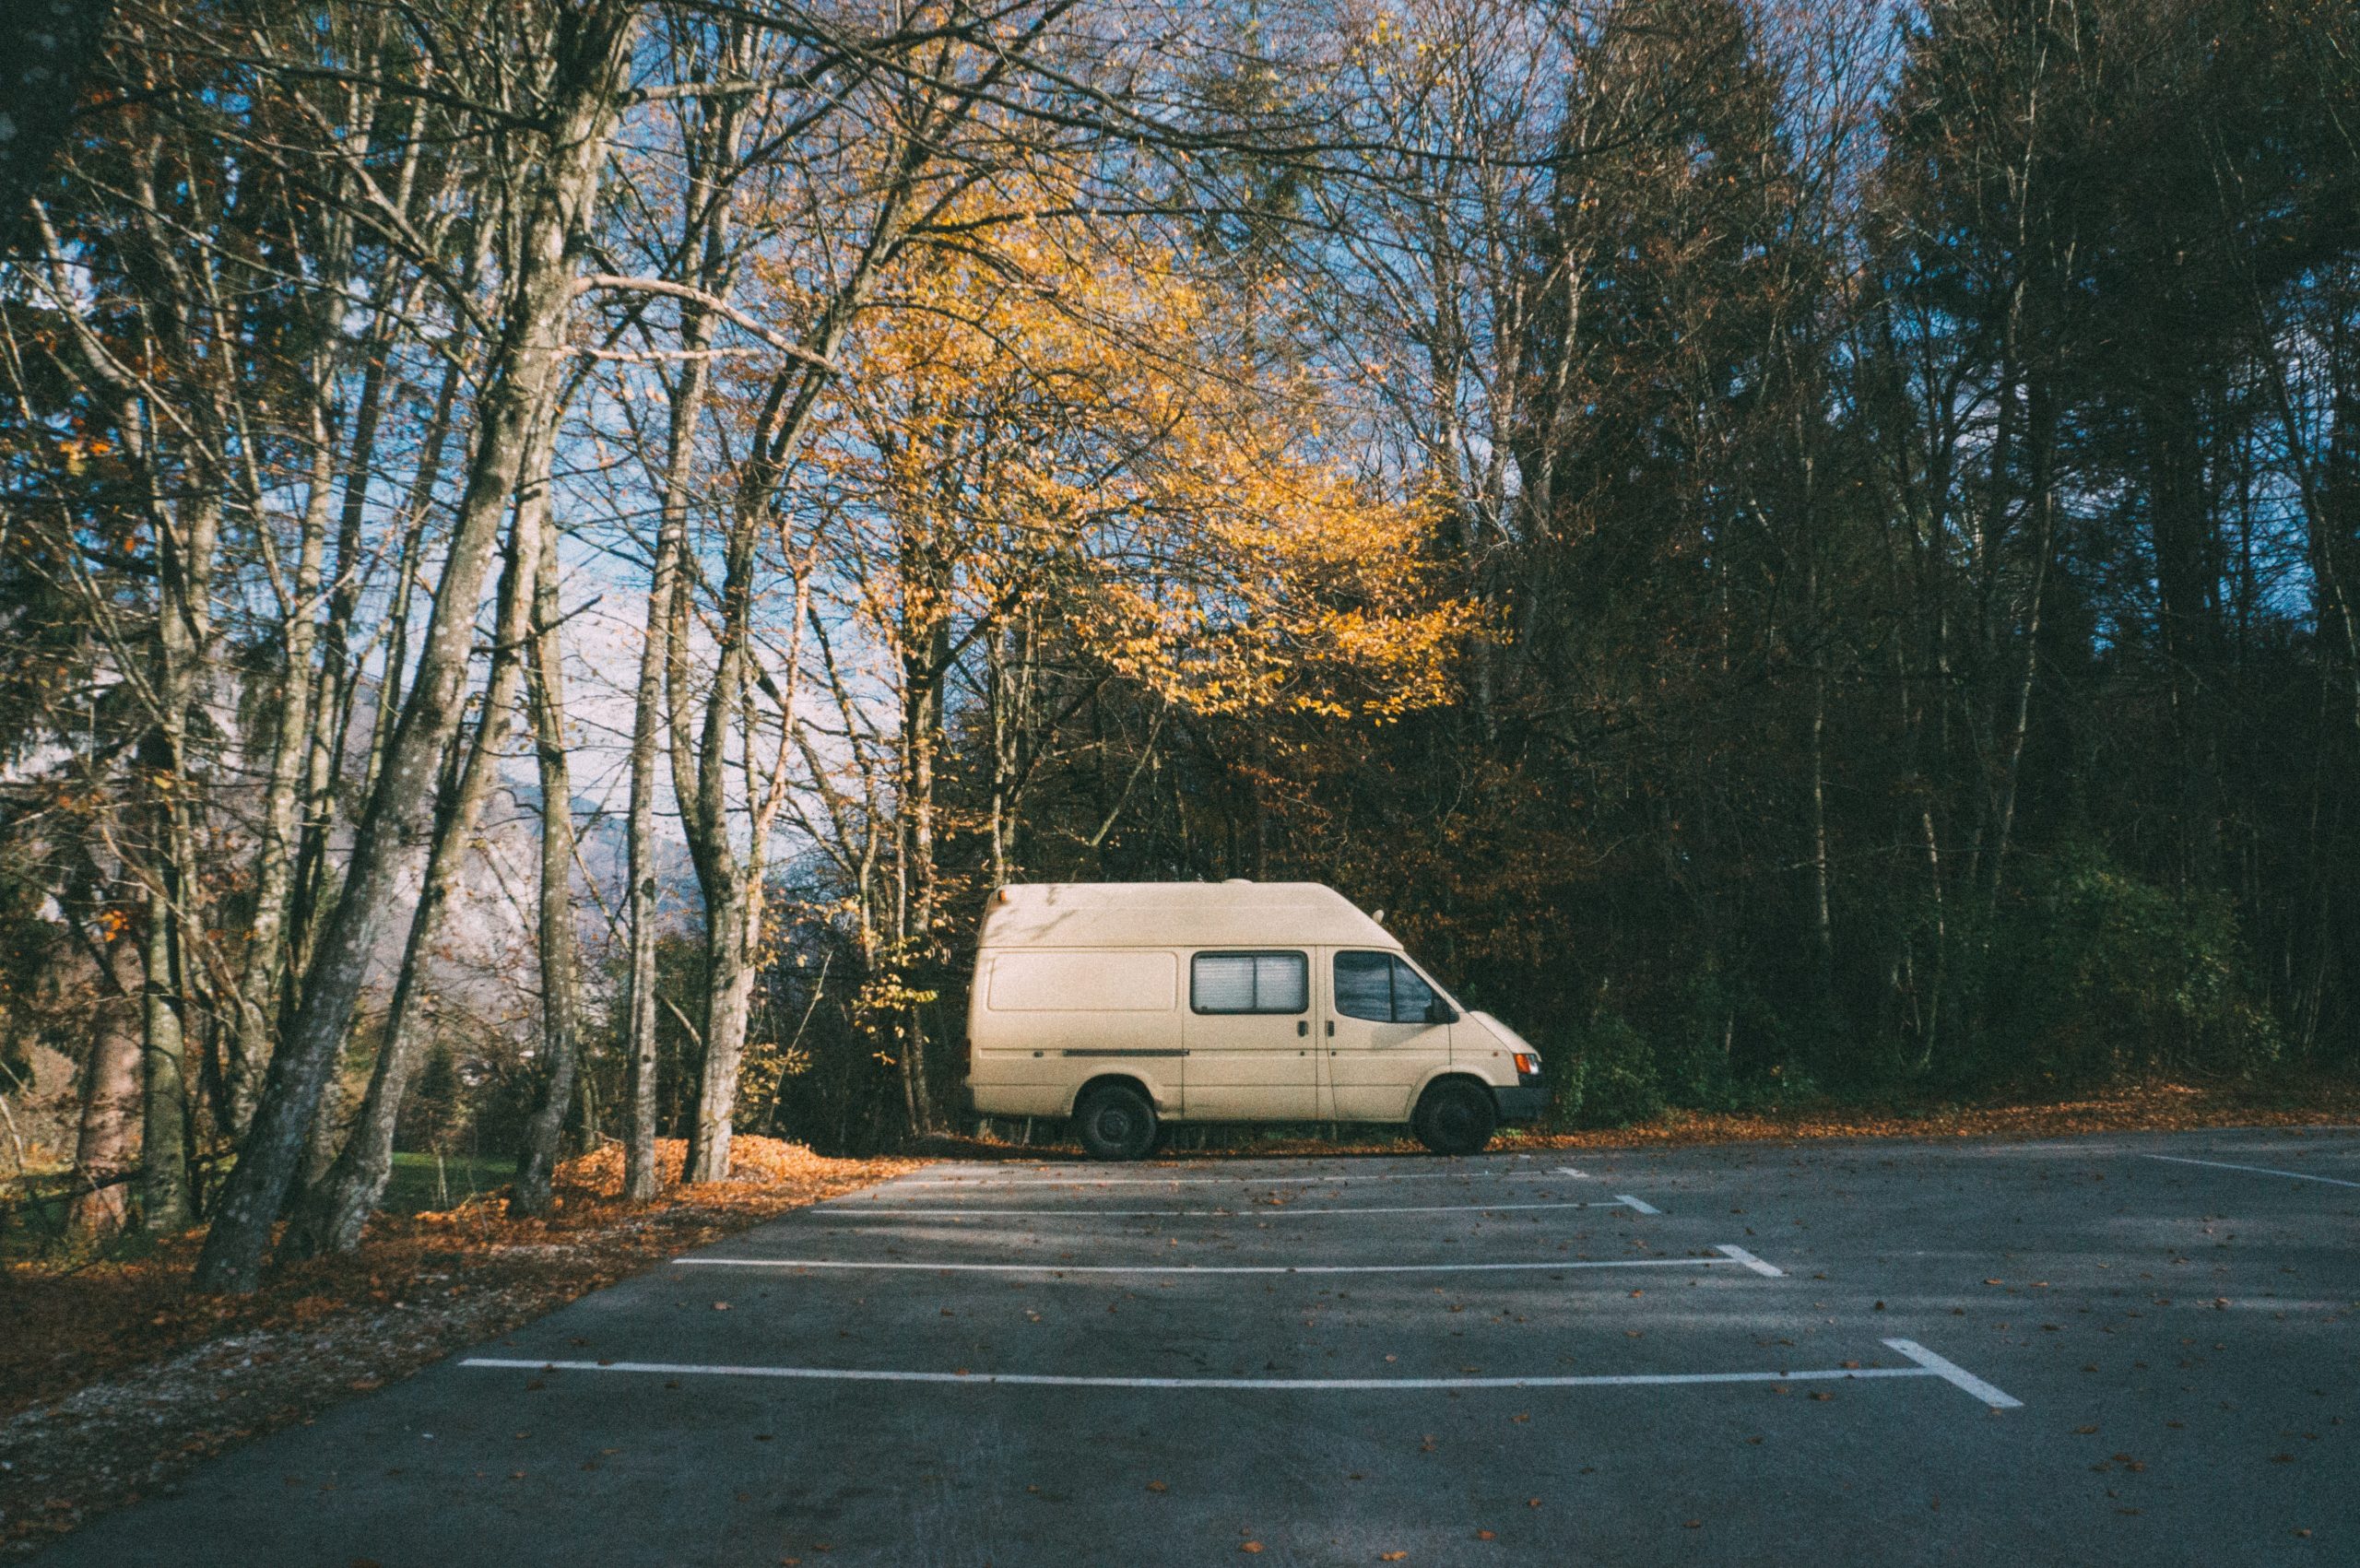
1695,1525
1532,1502
1157,1486
1400,1556
1251,1546
1486,1535
1822,1396
2083,1431
721,1306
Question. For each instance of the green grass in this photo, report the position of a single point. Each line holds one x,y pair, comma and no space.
416,1183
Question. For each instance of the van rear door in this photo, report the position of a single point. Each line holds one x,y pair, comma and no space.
1249,1037
1380,1045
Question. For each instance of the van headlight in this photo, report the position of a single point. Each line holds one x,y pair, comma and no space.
1527,1064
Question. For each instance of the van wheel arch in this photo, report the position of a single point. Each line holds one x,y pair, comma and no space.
1113,1115
1456,1113
1122,1080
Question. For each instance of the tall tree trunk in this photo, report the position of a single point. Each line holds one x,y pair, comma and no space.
337,1207
588,59
559,980
641,1181
731,883
266,965
183,638
106,1145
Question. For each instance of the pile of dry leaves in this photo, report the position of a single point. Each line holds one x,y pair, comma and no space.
116,1378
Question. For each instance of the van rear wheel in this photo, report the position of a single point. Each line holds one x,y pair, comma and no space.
1116,1122
1455,1117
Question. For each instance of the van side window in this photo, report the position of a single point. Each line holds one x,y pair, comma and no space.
1411,996
1380,989
1364,986
1249,982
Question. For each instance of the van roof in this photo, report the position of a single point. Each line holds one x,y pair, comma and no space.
1178,915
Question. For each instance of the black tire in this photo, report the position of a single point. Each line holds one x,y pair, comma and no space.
1455,1117
1114,1121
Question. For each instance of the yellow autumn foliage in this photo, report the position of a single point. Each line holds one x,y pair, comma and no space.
1061,419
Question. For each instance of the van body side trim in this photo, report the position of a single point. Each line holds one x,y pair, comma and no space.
1117,1051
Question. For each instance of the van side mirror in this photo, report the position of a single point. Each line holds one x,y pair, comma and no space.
1440,1011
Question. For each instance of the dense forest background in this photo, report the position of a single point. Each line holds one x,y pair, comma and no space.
555,551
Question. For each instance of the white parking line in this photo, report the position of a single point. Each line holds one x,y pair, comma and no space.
1952,1373
1273,1212
1046,1179
1929,1365
2257,1170
1635,1205
1730,1255
1739,1254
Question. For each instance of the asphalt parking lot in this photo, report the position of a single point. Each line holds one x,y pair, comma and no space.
2133,1348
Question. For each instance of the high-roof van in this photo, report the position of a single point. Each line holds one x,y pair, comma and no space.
1126,1006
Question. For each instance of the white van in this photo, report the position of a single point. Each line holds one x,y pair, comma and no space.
1126,1004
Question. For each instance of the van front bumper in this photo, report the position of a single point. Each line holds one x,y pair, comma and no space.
1523,1103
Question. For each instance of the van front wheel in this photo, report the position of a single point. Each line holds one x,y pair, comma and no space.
1455,1117
1115,1123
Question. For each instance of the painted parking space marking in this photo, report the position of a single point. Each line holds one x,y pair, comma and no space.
880,1211
1635,1205
1926,1364
1048,1179
1730,1255
1956,1376
2257,1170
1739,1254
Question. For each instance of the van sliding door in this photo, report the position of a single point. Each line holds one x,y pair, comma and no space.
1250,1044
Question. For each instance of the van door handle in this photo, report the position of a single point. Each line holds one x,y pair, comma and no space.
1331,1029
1301,1027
